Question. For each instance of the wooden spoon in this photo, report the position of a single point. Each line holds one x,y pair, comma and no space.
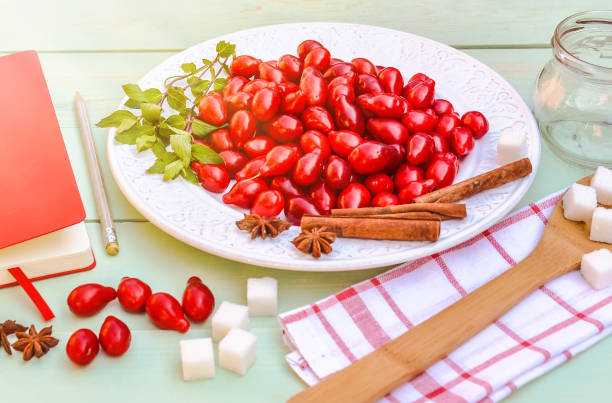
559,251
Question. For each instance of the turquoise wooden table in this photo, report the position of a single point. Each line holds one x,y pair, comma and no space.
93,48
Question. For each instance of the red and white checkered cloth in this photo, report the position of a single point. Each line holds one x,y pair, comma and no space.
559,320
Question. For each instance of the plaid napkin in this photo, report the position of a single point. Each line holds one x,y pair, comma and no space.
559,320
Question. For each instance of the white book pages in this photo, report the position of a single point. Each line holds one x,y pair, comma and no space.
64,250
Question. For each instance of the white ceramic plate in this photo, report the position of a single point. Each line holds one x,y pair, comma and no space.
198,217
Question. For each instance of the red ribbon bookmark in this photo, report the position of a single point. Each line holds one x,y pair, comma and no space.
34,295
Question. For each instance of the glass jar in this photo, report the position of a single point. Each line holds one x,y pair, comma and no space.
573,94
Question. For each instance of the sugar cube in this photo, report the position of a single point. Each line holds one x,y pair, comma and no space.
511,146
262,296
237,350
602,182
579,202
601,225
228,316
197,359
596,268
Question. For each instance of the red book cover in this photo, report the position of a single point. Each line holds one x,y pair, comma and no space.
38,192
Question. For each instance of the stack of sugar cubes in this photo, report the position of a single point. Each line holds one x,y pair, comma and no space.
230,328
580,204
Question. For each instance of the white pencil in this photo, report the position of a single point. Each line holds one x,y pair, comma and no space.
109,236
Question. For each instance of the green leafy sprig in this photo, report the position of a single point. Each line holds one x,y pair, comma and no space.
171,138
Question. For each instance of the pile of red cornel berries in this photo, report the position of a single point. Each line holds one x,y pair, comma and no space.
134,296
310,133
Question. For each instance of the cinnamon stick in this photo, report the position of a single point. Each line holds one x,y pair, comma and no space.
450,210
488,180
412,215
376,228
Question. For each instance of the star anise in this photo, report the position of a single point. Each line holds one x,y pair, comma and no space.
34,343
314,241
262,226
7,328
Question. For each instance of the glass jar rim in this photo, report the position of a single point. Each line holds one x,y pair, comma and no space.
569,25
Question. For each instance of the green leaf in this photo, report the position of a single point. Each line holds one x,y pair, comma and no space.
188,67
177,99
181,145
225,49
178,131
134,92
202,129
198,87
130,103
176,121
159,149
126,124
206,62
220,83
164,131
164,158
157,168
190,176
213,73
227,70
172,122
115,118
153,95
129,136
151,112
172,170
145,142
126,137
205,154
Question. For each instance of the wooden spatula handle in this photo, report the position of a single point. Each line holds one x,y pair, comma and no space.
400,360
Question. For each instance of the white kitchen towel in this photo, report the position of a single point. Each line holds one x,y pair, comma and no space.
557,321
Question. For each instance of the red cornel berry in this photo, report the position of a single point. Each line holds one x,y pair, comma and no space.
133,294
243,193
245,66
82,347
286,186
477,122
354,196
212,109
296,207
279,161
305,47
198,300
268,203
462,141
115,336
166,312
89,299
213,178
371,157
385,199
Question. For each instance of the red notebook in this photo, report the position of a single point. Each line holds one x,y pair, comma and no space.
42,230
38,192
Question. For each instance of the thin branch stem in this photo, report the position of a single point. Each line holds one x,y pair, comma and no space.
192,110
178,78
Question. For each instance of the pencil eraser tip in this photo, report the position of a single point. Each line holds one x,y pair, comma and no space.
112,248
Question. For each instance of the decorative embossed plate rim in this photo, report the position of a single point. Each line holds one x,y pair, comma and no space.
200,219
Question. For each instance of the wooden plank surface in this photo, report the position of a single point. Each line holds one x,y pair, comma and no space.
145,24
150,370
96,47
